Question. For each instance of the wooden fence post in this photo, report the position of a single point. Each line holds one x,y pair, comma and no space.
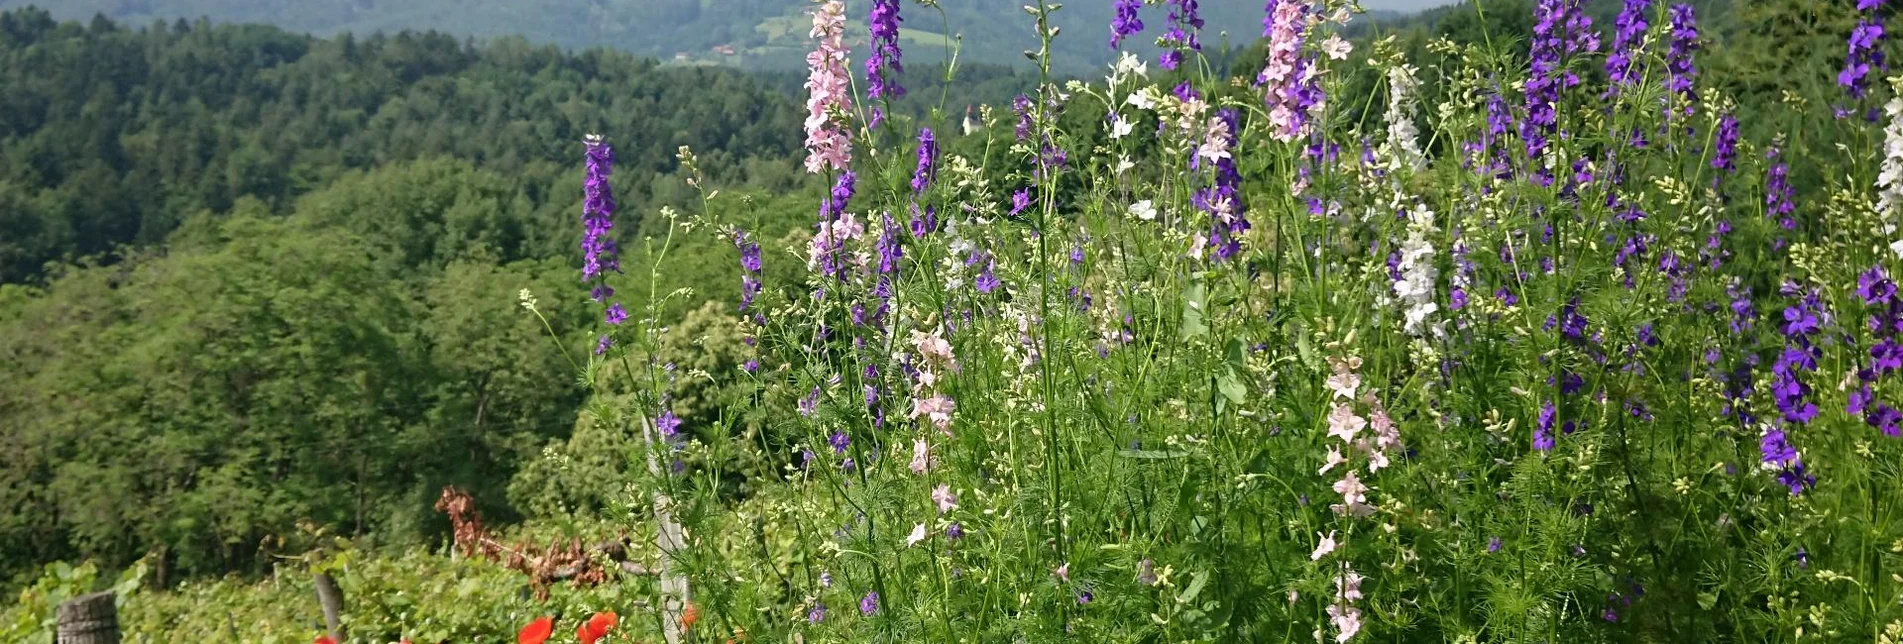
331,599
89,619
672,544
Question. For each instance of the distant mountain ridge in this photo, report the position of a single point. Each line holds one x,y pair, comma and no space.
758,34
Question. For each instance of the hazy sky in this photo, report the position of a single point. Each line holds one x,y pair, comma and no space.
1403,5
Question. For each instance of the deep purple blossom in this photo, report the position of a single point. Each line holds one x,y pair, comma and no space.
988,280
1865,50
1560,31
830,212
1223,200
1725,150
1022,106
1126,23
668,424
1778,201
1543,432
1185,26
927,169
599,252
869,604
750,265
1875,287
1678,59
883,65
1628,35
888,247
924,220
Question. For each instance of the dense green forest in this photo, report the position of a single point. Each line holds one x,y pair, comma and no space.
765,34
251,279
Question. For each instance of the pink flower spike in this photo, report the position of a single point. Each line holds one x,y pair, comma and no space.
1327,546
942,495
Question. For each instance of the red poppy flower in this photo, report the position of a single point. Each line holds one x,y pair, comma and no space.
689,616
536,632
323,639
596,627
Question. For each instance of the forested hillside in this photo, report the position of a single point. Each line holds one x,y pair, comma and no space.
763,34
254,278
1111,349
297,297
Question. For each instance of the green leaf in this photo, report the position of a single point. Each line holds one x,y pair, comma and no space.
1306,350
1231,387
1150,453
1193,302
1196,583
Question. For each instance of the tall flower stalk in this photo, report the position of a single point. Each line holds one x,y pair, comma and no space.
884,64
828,84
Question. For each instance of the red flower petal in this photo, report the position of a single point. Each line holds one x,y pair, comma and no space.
602,622
323,639
536,632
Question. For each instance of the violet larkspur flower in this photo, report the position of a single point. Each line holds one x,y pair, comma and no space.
883,21
927,161
890,252
1126,23
817,614
1543,434
1875,287
810,403
599,252
1561,30
869,604
1777,192
1183,14
1022,106
1223,200
668,424
1628,35
1020,200
1724,153
750,265
1678,59
988,280
835,227
1866,51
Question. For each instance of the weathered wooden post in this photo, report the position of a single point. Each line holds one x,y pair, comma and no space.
672,543
89,619
331,599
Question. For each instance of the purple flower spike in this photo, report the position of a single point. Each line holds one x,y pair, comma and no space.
1126,23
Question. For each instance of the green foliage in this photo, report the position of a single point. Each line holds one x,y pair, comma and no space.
765,34
269,373
31,617
111,136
